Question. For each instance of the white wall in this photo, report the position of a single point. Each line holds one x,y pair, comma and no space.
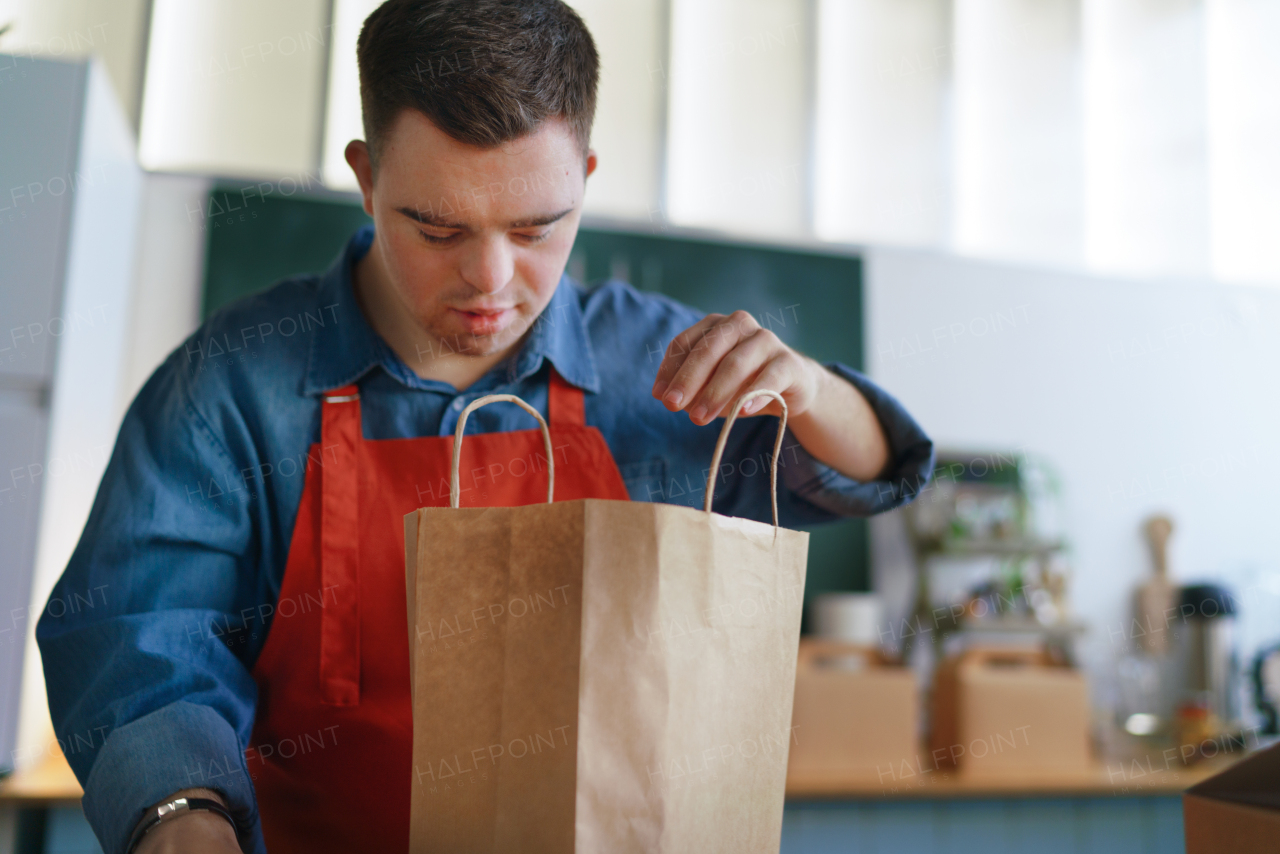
1244,117
342,109
631,107
113,30
1146,137
168,273
1120,136
1146,396
1018,155
738,138
881,141
235,87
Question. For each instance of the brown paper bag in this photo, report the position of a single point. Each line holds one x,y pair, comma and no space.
601,676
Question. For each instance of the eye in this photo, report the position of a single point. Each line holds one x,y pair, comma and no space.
534,238
436,240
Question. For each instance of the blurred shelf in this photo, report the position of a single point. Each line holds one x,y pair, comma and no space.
1020,626
1013,547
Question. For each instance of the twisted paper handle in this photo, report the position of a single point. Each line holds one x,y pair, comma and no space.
777,448
454,492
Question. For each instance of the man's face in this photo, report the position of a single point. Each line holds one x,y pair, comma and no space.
474,241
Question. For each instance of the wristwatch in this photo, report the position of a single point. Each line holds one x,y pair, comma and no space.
173,809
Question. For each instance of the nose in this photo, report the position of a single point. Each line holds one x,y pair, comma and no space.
488,266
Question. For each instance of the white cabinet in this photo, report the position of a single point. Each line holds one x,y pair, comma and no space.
69,191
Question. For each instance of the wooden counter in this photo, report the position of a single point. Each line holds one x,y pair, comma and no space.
1102,779
52,782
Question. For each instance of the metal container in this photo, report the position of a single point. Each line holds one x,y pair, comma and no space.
1205,645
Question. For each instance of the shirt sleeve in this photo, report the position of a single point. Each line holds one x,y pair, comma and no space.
811,491
146,659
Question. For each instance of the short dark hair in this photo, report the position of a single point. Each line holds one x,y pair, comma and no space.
483,71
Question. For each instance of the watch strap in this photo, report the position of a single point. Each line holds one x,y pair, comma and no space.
173,809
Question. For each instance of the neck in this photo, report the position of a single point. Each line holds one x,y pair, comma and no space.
424,353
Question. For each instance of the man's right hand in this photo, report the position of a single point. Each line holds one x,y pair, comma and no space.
196,832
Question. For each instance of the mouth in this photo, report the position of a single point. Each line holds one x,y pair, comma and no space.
484,321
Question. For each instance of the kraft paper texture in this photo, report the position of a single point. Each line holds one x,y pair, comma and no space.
600,676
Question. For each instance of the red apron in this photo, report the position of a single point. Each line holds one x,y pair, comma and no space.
332,745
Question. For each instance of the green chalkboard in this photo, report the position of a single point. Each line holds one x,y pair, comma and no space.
812,300
255,239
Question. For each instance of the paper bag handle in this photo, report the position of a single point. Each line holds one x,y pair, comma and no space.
454,492
777,448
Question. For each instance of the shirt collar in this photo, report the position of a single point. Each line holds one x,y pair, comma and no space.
346,349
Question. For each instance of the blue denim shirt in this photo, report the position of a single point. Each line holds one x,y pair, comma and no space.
191,526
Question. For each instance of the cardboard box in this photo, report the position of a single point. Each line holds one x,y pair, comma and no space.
1238,810
1009,710
855,714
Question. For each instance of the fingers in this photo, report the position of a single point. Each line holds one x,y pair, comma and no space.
679,349
778,375
713,363
756,359
695,354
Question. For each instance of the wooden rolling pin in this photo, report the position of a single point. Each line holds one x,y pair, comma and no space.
1157,596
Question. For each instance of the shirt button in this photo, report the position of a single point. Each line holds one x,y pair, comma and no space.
457,404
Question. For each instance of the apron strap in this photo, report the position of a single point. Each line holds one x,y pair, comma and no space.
340,547
565,402
340,435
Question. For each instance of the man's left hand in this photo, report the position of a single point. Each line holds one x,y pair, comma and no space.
720,358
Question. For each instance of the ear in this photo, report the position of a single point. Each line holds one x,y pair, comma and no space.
591,161
357,154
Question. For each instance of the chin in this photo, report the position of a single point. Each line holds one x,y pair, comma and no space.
457,340
482,345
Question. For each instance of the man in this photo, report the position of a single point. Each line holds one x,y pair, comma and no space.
253,657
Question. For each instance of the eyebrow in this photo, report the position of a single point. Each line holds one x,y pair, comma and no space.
437,221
